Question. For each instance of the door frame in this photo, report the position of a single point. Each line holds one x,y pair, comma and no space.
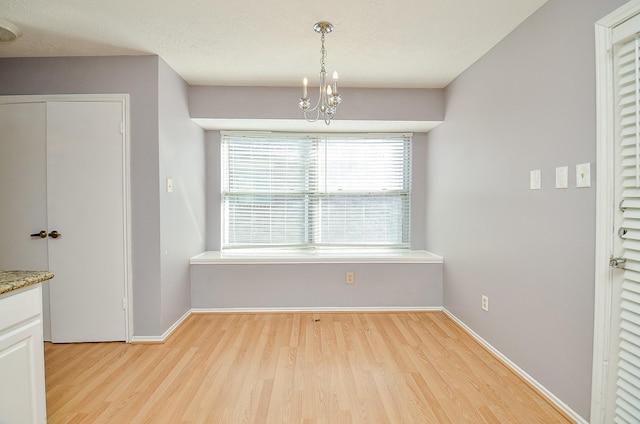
126,188
603,363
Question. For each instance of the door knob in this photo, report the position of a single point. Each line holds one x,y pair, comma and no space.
41,234
55,234
617,262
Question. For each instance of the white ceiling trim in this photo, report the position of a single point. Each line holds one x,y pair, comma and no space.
300,125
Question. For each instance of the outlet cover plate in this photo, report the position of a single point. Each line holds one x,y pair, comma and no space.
562,177
534,179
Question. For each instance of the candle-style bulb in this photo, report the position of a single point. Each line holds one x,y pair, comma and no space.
304,88
329,91
335,81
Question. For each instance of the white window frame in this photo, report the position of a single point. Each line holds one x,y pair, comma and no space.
311,240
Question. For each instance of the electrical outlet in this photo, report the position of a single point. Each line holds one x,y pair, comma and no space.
485,303
351,278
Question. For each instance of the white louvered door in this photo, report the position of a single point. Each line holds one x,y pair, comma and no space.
626,278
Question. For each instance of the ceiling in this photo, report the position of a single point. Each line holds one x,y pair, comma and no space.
375,43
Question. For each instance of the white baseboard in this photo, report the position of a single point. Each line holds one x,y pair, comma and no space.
319,309
163,337
543,390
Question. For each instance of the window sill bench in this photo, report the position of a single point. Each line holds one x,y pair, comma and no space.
260,257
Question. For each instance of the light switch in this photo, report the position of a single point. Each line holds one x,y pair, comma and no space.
169,185
562,177
534,180
583,175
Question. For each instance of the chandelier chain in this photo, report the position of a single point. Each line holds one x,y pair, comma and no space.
323,53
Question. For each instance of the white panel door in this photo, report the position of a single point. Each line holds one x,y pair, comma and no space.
86,206
23,186
23,192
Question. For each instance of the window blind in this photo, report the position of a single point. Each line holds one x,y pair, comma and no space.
304,190
627,68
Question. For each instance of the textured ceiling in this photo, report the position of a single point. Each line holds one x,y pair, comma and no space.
405,43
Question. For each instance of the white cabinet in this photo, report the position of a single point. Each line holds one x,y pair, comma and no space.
22,386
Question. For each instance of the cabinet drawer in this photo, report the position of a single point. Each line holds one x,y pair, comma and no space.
19,307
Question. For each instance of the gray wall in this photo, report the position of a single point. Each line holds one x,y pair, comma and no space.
316,286
528,104
392,104
182,212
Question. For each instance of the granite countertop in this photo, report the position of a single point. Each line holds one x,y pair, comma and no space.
13,280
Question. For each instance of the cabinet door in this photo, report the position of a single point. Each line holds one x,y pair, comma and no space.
22,387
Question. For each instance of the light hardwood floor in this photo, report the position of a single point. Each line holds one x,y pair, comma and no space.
293,368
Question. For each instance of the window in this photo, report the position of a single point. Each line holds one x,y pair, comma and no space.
302,190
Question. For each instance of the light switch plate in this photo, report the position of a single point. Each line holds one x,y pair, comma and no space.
583,175
562,177
534,180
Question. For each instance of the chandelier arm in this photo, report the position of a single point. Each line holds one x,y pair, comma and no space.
316,107
312,119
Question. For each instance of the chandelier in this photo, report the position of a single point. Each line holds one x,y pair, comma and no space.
329,98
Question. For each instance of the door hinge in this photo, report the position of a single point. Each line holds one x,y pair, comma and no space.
121,127
124,303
